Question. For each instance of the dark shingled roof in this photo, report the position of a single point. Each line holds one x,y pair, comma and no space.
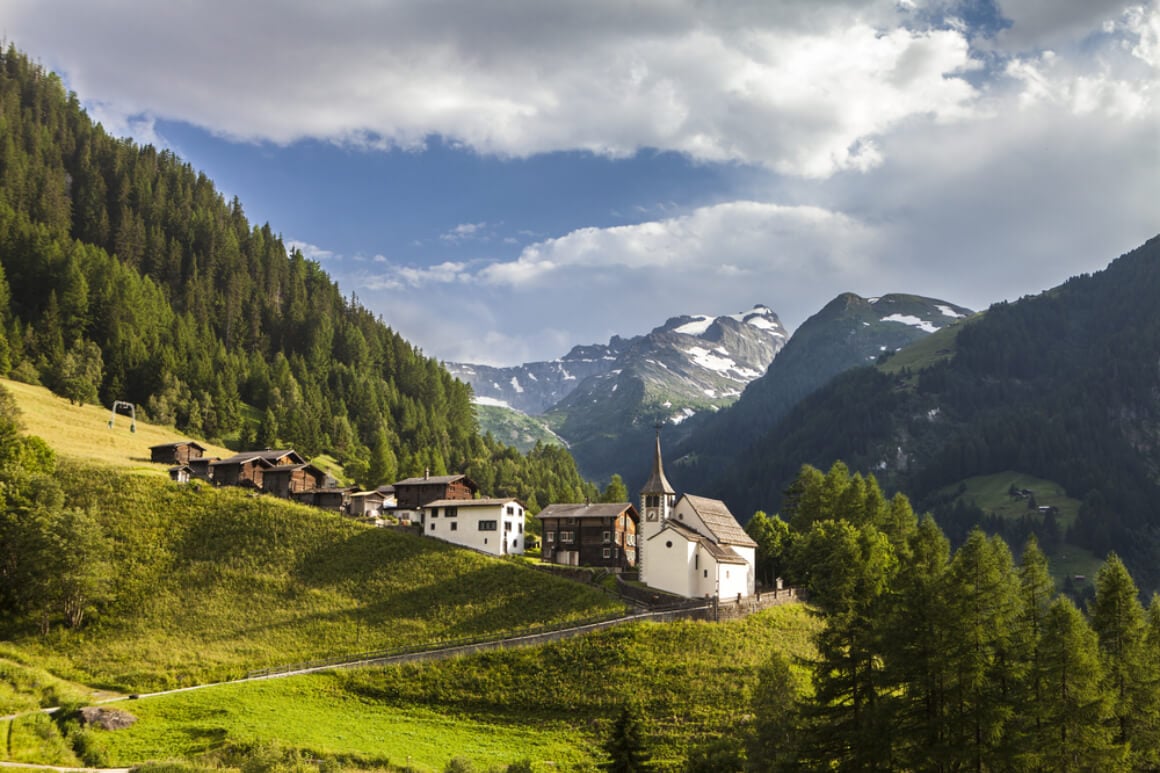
723,527
723,554
179,443
265,456
597,510
436,479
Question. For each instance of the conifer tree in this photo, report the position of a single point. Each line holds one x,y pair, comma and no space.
1118,620
615,491
1036,592
1075,735
625,746
1146,747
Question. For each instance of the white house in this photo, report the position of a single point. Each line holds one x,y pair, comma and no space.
692,546
490,525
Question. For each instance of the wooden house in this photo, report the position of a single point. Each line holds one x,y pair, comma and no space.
180,473
287,479
367,504
602,534
246,469
200,468
335,498
176,453
414,493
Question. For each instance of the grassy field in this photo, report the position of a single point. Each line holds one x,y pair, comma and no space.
551,704
82,431
990,492
212,583
25,687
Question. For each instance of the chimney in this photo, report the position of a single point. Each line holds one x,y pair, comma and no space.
426,473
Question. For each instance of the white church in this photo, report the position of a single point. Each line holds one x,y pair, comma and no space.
692,546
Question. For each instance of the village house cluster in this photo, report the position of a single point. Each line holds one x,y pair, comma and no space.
689,546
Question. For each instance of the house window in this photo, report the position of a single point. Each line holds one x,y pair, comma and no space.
607,537
511,510
487,525
507,525
450,512
630,539
565,536
607,553
550,536
706,572
434,512
454,525
432,527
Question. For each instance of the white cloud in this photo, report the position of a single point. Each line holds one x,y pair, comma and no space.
1051,23
803,88
401,277
311,251
464,232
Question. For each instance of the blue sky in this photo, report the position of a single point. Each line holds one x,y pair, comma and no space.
504,180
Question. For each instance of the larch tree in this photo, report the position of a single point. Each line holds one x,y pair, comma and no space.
1118,620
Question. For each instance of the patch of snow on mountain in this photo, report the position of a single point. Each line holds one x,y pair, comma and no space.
683,414
666,404
913,321
516,385
699,325
567,376
490,401
615,387
532,376
467,369
949,312
873,300
762,323
711,361
710,393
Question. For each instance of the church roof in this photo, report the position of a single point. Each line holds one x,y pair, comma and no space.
722,554
592,510
657,482
723,527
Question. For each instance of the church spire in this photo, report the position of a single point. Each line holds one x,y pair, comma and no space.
657,483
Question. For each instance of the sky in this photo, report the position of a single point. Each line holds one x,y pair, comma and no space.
504,180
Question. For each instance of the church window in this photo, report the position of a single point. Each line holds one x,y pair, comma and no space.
706,572
697,561
451,512
668,543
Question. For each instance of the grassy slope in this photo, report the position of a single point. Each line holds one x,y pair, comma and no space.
989,492
693,681
82,431
213,583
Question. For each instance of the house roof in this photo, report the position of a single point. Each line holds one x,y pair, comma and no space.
288,468
386,489
657,482
179,467
269,456
365,494
474,502
595,510
179,443
435,480
723,527
722,554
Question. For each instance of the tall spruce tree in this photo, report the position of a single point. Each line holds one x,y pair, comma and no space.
1118,620
1075,734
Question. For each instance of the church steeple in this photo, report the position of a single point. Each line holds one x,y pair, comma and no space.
657,483
657,497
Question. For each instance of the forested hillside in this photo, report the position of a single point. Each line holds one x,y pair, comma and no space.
1061,386
125,275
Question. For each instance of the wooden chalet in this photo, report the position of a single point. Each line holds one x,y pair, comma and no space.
176,453
180,473
287,479
602,534
246,469
366,503
200,467
414,493
331,498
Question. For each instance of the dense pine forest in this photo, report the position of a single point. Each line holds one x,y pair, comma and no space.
125,275
936,661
